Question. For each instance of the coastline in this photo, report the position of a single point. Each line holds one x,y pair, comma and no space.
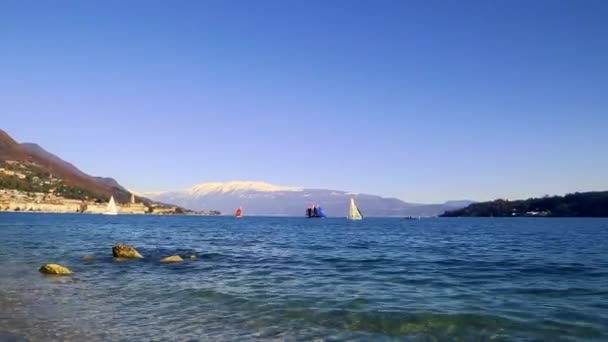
102,214
16,201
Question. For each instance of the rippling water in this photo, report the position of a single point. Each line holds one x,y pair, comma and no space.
299,279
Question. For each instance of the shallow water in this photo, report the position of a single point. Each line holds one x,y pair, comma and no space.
298,279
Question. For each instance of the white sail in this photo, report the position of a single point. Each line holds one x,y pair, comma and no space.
353,211
111,210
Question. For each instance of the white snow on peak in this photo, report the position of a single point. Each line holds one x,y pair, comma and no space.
237,186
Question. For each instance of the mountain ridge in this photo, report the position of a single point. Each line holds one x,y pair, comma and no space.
262,198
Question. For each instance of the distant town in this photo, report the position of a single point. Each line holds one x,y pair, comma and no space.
25,188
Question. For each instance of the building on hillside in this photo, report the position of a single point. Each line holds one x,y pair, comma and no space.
163,210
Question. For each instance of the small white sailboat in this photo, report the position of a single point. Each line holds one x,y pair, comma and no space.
111,210
353,212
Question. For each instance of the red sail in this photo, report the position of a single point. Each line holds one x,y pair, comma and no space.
239,212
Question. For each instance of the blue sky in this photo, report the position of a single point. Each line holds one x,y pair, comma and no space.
422,100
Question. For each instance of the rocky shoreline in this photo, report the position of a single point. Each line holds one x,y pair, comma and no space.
120,252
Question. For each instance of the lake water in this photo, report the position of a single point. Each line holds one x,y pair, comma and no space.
304,279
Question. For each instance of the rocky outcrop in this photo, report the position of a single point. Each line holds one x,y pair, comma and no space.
55,269
173,258
126,251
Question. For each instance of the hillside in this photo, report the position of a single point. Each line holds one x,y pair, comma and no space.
9,148
29,167
584,204
260,198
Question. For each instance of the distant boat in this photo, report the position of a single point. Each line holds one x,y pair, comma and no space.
239,213
111,210
315,211
353,212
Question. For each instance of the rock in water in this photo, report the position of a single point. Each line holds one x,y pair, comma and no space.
173,258
193,257
126,251
55,269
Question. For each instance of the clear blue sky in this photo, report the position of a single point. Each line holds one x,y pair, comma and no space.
422,100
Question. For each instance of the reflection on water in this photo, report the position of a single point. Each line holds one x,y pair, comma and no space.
298,279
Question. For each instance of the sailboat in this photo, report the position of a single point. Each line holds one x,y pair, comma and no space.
353,212
111,210
315,211
239,212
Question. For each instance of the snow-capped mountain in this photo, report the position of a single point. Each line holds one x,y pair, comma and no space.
204,189
260,198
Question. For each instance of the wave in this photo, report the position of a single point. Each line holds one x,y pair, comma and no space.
354,318
444,326
547,292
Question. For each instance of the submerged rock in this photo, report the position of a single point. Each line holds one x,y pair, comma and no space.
193,257
55,269
126,251
88,257
173,258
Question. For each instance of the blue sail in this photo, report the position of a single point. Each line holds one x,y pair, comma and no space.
320,212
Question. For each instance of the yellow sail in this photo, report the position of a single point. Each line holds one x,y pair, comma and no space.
353,211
